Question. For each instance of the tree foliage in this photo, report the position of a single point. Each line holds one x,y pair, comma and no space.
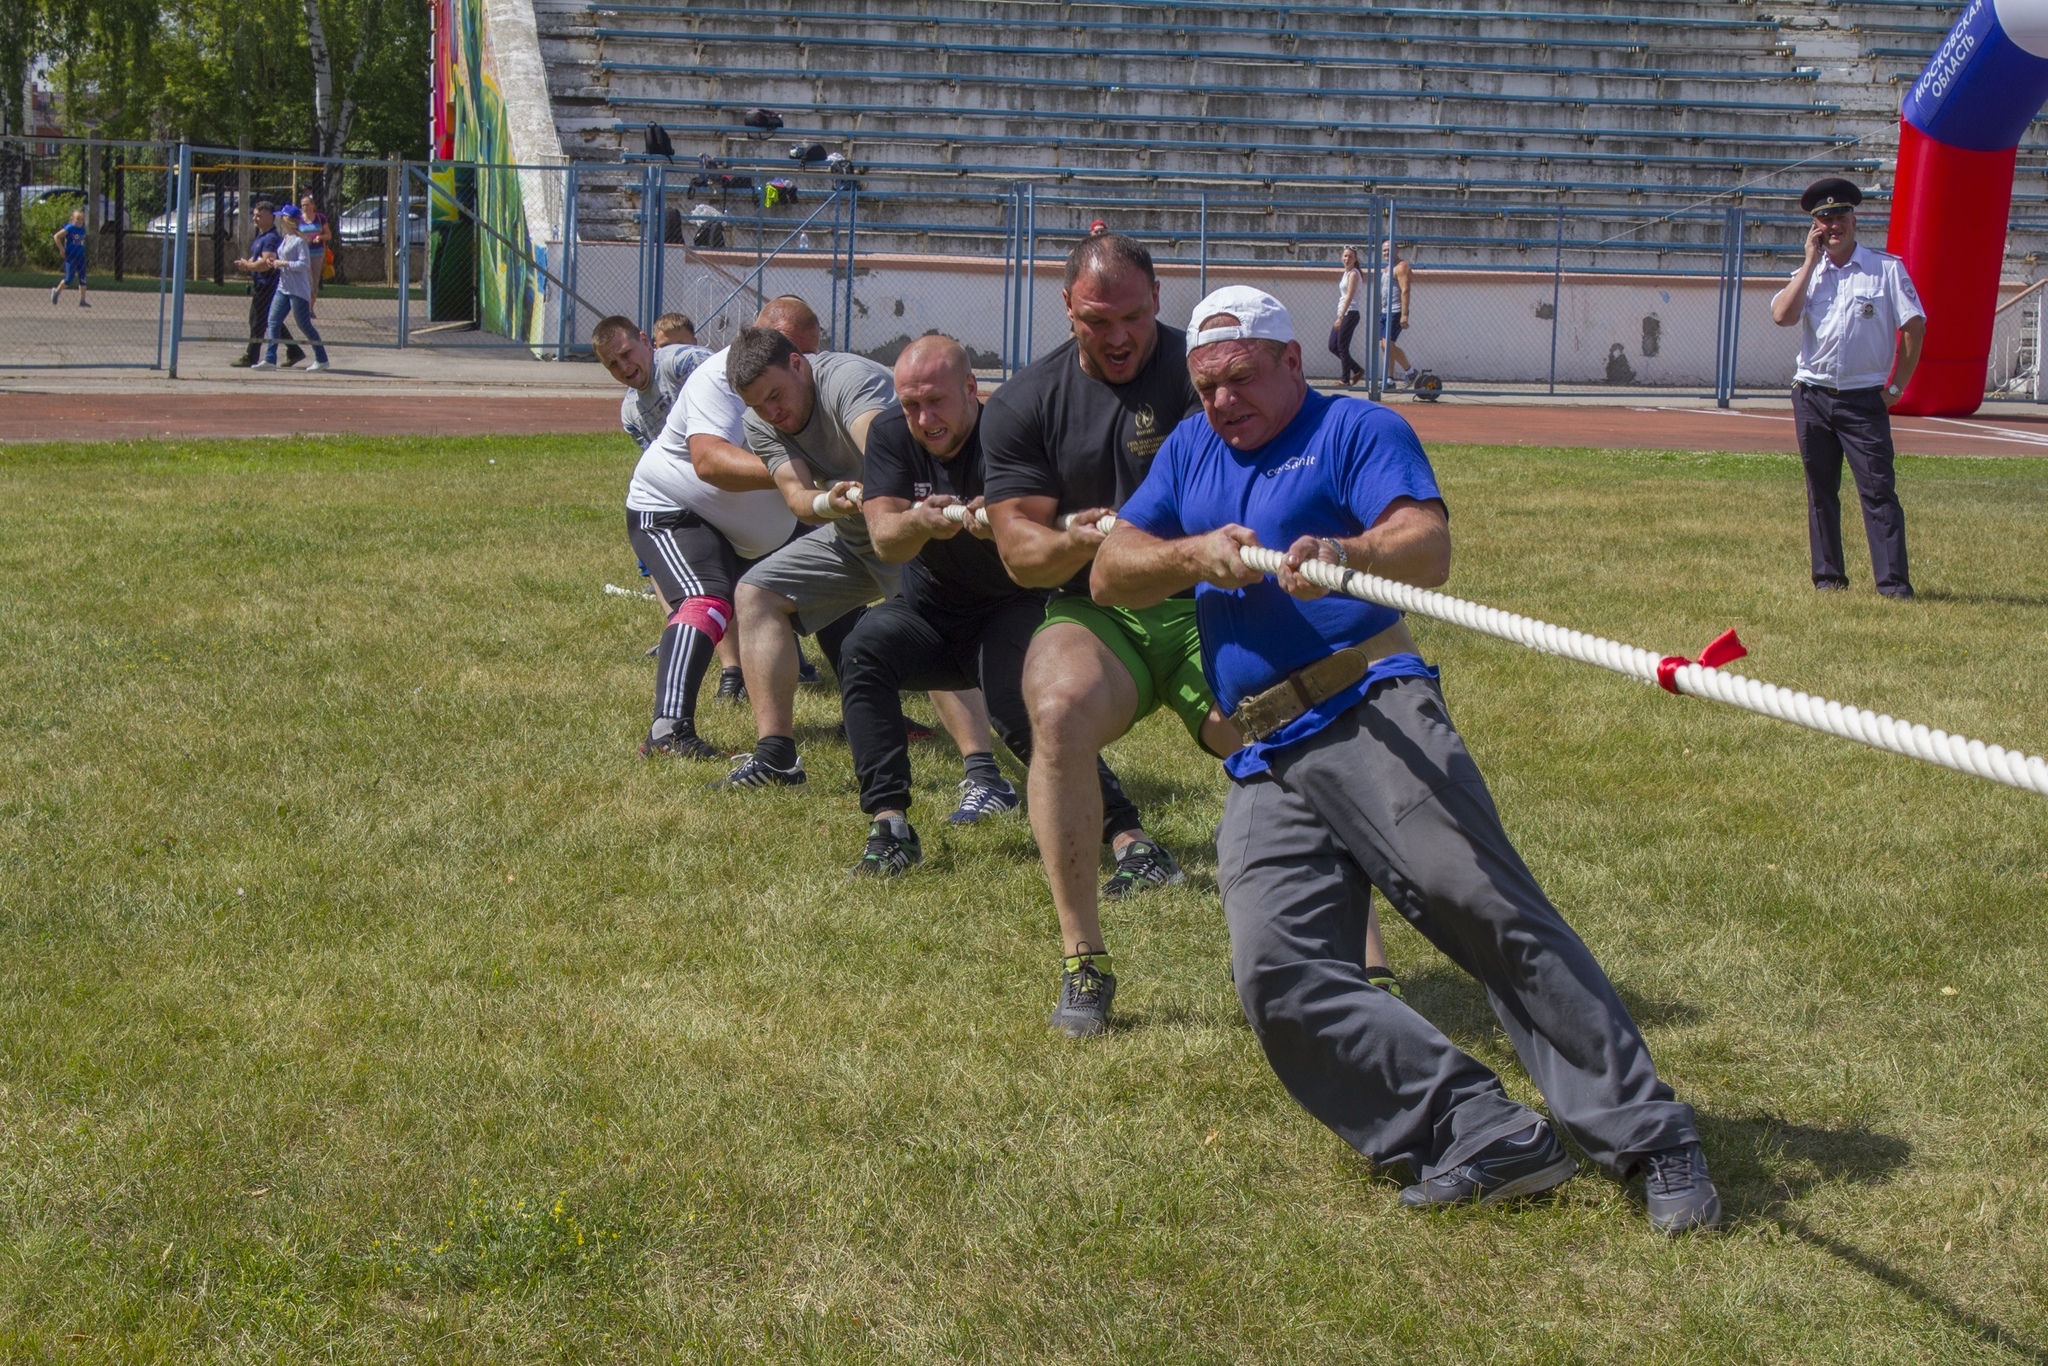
231,73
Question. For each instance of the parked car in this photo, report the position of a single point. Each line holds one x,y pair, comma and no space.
207,206
362,223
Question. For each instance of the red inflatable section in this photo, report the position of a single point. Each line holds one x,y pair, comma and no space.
1948,226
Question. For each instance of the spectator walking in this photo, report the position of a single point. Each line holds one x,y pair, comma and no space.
1349,282
71,237
1395,276
315,232
1861,326
261,263
293,294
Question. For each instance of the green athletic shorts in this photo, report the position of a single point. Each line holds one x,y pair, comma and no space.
1159,645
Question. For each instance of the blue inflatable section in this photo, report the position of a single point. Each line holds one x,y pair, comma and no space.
1982,89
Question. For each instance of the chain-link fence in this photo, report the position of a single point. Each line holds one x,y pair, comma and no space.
1528,300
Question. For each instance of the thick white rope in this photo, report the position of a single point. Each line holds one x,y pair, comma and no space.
2012,767
2009,766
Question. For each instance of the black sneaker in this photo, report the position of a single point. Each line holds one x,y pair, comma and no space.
749,771
1529,1163
889,853
243,361
1141,865
667,736
1681,1195
732,686
806,672
979,801
916,732
1085,993
292,356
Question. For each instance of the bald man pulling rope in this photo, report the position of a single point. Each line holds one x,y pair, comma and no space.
1353,776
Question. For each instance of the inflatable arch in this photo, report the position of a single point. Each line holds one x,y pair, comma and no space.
1959,139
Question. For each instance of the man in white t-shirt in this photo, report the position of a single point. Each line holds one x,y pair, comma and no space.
693,539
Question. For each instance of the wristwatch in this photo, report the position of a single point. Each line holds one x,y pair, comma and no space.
1337,549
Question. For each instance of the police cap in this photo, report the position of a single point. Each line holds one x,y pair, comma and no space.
1831,193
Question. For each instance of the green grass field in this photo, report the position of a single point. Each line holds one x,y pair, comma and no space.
364,997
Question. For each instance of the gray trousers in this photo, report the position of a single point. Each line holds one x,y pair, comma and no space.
1388,795
1855,426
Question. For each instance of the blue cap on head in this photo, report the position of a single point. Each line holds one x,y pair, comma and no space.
288,212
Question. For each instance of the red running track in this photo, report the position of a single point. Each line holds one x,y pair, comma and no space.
151,416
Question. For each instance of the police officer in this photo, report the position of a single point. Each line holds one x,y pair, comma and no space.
1861,325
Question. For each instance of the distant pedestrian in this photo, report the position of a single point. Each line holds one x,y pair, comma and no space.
674,329
293,296
71,237
1098,229
1395,277
1350,283
261,263
319,239
1861,326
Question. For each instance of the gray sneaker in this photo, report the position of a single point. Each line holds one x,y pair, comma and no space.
1085,994
1141,865
1528,1163
1681,1195
749,771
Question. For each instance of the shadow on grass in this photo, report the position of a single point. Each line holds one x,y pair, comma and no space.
1978,599
1988,1331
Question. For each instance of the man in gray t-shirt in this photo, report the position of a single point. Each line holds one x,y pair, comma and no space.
808,420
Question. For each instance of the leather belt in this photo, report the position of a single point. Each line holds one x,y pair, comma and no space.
1261,715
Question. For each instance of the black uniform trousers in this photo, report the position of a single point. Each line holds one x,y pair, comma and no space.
901,646
261,289
1853,423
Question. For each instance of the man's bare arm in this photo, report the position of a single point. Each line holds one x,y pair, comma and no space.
900,528
858,428
1137,569
1409,543
723,465
1037,553
793,482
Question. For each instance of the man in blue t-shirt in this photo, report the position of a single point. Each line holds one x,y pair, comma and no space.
71,237
1353,777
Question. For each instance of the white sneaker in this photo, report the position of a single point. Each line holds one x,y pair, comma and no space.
55,292
264,365
316,365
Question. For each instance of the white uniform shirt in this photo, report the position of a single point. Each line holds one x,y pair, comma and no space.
1848,335
757,522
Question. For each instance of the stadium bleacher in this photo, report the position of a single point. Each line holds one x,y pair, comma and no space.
1478,119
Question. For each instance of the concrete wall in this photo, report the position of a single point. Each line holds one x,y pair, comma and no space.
1472,327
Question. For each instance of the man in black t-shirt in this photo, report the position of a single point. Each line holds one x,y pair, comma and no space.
959,621
1066,441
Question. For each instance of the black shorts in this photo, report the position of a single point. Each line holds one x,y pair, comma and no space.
685,555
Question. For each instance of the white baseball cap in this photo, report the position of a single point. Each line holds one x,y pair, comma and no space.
1258,314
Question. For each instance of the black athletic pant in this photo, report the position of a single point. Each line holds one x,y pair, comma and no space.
1340,345
902,647
1852,423
259,319
688,558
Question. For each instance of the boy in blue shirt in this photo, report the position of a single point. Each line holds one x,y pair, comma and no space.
1353,777
71,237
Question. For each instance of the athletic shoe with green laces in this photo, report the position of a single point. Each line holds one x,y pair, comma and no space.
893,849
1141,865
1087,986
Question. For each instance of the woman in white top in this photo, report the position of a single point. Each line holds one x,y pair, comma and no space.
1350,297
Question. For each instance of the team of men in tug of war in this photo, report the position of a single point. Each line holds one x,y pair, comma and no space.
1055,562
